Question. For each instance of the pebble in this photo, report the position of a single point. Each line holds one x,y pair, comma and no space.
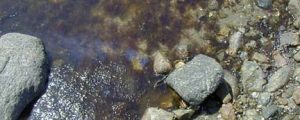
252,77
296,95
296,74
232,81
294,9
181,50
278,79
227,112
270,111
183,114
235,42
260,57
279,59
289,39
252,114
161,64
265,4
264,98
297,56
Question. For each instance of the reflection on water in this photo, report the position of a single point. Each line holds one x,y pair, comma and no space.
100,51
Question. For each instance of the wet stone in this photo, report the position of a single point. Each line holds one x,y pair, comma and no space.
278,79
235,42
23,73
252,77
193,82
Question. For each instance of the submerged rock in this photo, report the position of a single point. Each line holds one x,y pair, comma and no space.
197,79
22,73
278,79
252,77
270,111
294,8
235,42
157,114
265,4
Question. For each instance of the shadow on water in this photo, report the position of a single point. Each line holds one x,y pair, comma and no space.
100,51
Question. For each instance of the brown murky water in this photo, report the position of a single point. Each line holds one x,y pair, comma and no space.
100,51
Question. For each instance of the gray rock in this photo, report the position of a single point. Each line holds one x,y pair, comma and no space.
279,59
157,114
22,73
294,8
183,114
296,95
278,79
252,77
265,4
232,81
235,42
289,39
270,111
161,64
297,56
264,98
260,57
197,79
252,114
213,5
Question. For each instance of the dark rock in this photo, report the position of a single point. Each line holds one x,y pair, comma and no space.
197,79
22,73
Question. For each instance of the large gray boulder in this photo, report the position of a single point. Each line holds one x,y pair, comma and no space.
22,73
197,79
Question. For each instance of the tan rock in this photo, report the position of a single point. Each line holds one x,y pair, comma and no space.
227,112
161,64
